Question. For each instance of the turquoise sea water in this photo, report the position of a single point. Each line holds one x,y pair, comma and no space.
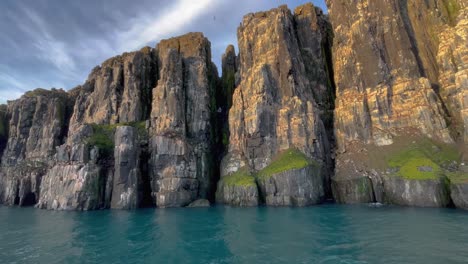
321,234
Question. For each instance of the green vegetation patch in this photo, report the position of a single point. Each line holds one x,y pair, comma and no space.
102,137
290,159
37,92
453,9
103,134
423,160
458,177
240,178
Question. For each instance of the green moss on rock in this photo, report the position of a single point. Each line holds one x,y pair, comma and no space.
103,134
291,159
458,177
423,160
453,9
240,178
102,137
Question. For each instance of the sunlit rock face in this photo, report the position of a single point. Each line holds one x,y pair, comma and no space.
282,73
399,69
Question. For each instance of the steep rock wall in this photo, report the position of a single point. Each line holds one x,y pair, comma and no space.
399,71
181,133
274,108
36,126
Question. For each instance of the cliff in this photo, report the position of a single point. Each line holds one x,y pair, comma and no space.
181,133
400,73
367,103
274,110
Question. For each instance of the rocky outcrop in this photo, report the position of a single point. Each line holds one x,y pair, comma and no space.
392,90
452,61
199,203
229,80
181,165
421,193
36,126
4,120
78,180
296,187
238,189
118,91
274,107
127,190
459,194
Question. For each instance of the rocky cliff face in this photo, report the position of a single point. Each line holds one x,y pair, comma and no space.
36,126
274,108
181,134
82,177
77,181
396,88
128,183
366,104
118,91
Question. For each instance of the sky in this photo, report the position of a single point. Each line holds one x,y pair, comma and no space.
56,43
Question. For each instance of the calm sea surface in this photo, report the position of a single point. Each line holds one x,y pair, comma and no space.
321,234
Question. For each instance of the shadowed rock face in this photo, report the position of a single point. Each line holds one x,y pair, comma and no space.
36,126
81,178
300,187
77,181
274,107
399,74
181,165
127,189
118,91
459,195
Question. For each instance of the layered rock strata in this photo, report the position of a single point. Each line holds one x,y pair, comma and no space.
396,86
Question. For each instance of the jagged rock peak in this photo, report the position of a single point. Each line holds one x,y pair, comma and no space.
118,91
192,44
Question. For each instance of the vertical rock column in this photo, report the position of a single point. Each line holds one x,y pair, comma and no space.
181,133
277,138
127,189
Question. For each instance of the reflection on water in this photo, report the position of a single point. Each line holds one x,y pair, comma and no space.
322,234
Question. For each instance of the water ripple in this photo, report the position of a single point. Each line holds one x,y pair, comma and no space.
321,234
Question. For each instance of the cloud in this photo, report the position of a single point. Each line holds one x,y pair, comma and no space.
55,43
49,48
148,29
13,87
